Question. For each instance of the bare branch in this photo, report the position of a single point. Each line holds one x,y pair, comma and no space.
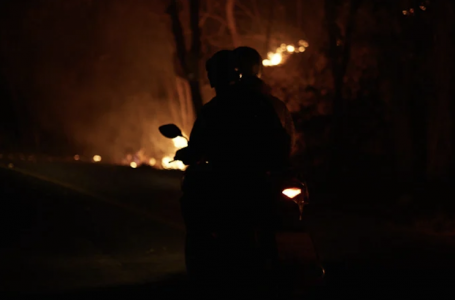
245,9
203,19
230,4
209,11
257,13
215,43
221,29
214,17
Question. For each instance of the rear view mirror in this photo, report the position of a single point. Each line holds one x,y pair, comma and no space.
171,131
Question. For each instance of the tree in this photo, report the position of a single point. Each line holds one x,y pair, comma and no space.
339,51
230,18
188,59
441,109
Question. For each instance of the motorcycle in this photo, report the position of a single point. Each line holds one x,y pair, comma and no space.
204,240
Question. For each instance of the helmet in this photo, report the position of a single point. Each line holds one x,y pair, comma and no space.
221,69
248,61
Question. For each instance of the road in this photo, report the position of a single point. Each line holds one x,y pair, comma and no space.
63,238
78,230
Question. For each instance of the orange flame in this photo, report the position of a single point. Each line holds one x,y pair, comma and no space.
280,54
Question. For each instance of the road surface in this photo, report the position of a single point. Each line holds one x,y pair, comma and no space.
80,230
57,239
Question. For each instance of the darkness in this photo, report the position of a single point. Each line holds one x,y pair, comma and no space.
371,95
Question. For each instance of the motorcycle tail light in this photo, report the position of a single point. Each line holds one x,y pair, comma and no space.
292,192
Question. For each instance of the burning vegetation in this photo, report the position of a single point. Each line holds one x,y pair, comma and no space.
282,52
166,162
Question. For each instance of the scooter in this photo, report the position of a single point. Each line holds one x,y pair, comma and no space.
290,231
300,264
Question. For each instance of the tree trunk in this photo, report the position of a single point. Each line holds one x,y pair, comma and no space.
177,30
269,25
195,55
189,60
396,73
339,56
440,123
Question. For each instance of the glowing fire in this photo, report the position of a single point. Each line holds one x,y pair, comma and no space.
168,163
180,142
96,158
280,54
77,157
165,163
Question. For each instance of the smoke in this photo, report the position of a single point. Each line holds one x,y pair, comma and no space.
99,72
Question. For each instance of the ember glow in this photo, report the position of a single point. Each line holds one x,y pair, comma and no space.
133,165
282,52
96,158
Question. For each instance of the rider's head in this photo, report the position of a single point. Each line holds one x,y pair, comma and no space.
220,69
248,62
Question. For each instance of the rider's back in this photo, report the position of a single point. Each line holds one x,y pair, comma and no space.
245,131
